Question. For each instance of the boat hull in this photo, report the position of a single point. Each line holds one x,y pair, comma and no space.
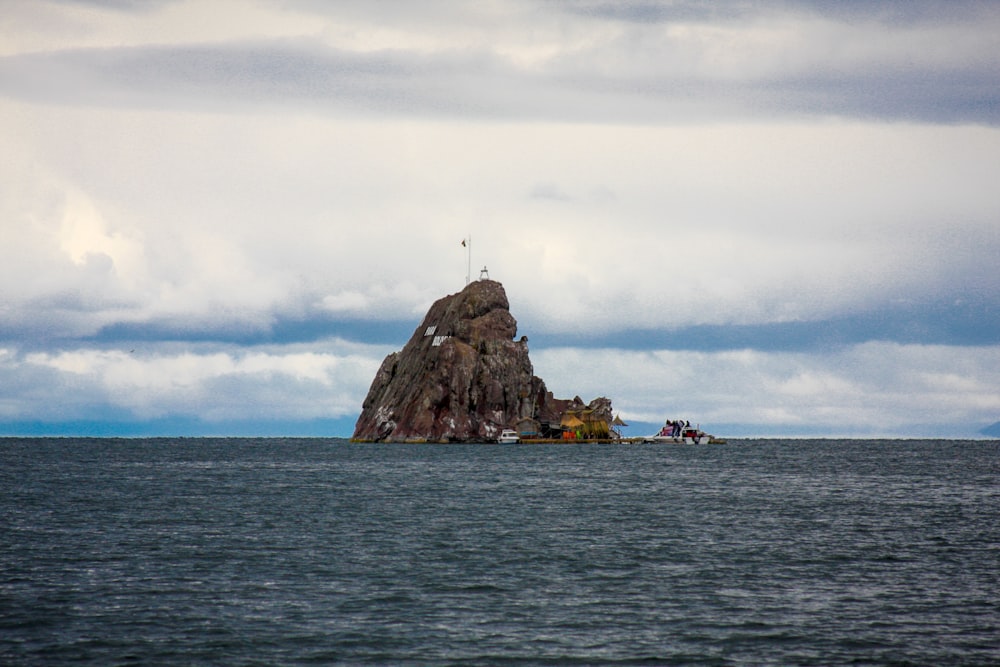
696,439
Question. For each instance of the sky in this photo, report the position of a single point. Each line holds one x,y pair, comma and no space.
767,218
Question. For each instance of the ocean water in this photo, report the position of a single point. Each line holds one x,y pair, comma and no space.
315,551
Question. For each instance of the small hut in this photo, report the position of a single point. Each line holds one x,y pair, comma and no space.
616,426
528,428
585,423
571,424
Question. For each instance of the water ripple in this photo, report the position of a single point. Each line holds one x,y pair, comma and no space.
315,551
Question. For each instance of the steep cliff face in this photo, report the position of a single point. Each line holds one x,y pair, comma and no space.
461,377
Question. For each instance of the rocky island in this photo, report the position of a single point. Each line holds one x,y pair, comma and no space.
462,377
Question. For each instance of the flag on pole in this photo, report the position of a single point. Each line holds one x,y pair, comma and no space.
463,243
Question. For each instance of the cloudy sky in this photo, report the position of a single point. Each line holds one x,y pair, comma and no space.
769,218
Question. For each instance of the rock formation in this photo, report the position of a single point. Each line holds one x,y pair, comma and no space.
461,377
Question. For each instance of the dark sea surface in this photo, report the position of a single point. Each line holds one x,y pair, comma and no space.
275,551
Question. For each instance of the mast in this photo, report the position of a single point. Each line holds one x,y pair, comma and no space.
468,265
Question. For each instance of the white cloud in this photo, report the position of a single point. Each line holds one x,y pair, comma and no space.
880,389
208,382
350,301
235,219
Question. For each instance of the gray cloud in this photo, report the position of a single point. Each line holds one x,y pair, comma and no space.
891,12
655,84
120,5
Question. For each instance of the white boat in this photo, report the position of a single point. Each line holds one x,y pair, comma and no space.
508,437
699,439
685,435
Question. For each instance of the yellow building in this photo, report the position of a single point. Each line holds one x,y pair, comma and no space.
586,424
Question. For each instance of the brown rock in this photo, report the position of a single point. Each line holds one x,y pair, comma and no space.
460,378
